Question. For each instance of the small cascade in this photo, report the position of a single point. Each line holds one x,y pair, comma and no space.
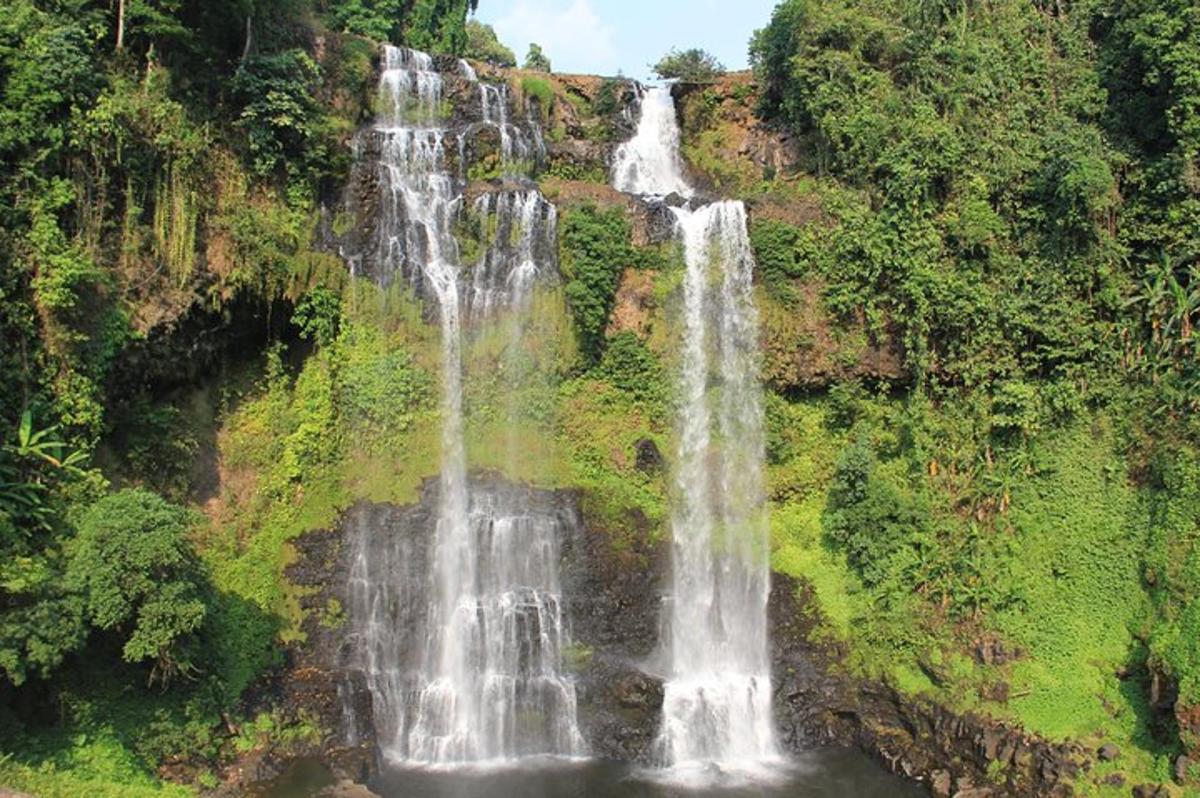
649,163
516,150
473,672
717,697
522,246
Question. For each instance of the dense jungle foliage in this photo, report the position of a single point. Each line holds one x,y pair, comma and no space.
1000,201
161,166
1008,194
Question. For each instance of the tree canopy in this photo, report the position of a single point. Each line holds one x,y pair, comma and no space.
689,66
482,45
135,569
536,60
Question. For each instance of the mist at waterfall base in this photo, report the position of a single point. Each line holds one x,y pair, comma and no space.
825,773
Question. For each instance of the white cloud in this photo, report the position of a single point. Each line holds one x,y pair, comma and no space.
571,34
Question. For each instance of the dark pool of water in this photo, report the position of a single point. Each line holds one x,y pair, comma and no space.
830,773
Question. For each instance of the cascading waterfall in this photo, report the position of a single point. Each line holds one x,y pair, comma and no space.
717,701
481,679
525,228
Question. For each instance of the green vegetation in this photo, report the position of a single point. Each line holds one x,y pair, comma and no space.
977,232
1026,475
163,164
136,574
432,25
539,89
536,60
689,66
482,45
595,249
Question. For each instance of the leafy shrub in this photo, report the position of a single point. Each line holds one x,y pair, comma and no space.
606,98
375,19
318,315
540,89
632,368
139,577
482,45
775,251
536,60
689,66
380,389
594,247
279,115
867,515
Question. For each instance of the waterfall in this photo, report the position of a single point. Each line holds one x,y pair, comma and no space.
649,163
471,669
717,697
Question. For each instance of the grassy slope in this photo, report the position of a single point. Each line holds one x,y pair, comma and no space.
1077,531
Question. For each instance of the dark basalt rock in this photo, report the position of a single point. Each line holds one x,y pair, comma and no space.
1151,791
613,600
649,458
658,221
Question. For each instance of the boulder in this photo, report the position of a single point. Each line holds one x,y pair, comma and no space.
939,783
1108,752
1151,791
1182,765
996,691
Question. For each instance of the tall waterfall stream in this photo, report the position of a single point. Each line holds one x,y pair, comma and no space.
486,682
717,703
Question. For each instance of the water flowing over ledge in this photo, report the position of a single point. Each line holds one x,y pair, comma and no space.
717,708
483,680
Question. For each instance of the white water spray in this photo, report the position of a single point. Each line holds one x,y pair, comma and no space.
717,703
486,683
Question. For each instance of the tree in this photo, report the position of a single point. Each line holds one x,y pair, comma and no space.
689,66
148,19
537,60
483,45
437,26
40,620
136,572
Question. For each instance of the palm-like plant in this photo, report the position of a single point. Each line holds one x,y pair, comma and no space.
1168,302
23,481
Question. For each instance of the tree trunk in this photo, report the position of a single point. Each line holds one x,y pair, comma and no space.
120,24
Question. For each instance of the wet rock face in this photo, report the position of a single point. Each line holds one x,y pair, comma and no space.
613,599
476,121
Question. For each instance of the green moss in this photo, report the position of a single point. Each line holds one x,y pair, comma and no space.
572,171
540,89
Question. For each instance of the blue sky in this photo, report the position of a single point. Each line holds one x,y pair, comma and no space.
607,36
